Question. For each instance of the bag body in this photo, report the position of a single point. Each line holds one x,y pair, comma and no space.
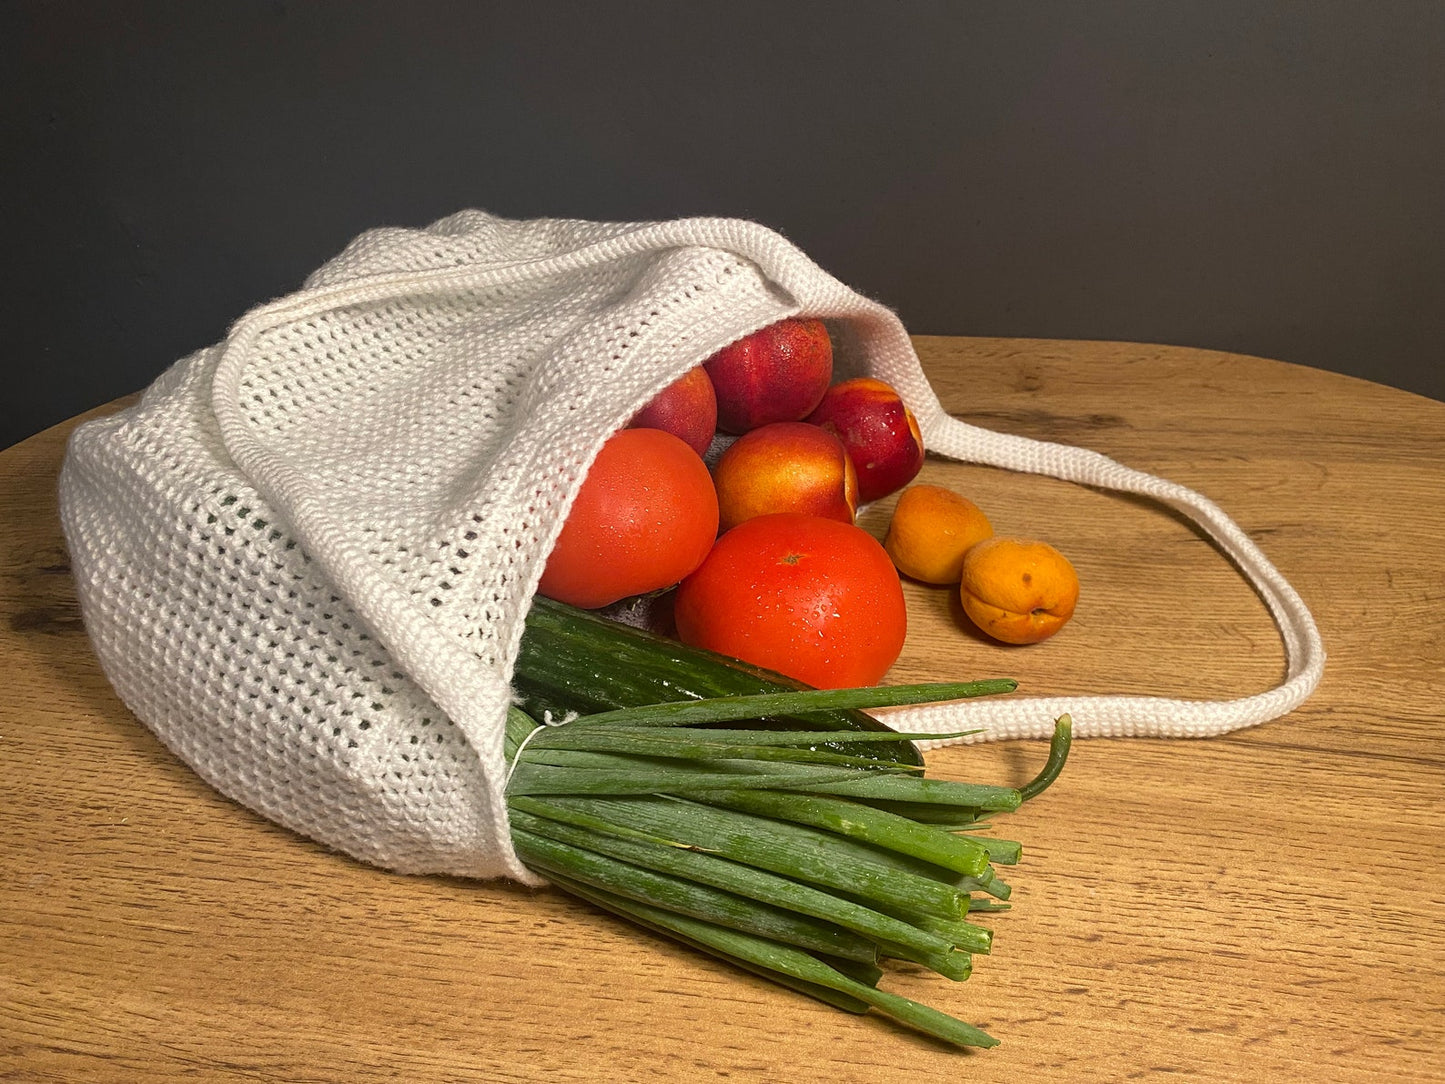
305,556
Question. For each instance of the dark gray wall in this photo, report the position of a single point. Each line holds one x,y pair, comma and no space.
1258,177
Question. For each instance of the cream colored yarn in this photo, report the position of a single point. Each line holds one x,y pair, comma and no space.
305,556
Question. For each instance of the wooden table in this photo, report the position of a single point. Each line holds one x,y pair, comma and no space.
1264,906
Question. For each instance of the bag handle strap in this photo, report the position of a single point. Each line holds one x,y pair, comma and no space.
1125,716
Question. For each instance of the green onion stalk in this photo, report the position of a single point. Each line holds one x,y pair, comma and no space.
768,848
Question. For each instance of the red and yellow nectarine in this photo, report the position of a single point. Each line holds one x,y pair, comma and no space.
785,467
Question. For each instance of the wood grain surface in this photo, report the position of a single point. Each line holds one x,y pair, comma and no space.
1265,906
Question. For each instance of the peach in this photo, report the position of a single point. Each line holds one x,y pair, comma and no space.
880,433
778,374
1018,590
686,408
785,467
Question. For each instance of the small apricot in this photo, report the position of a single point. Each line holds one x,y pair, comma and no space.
931,529
1018,590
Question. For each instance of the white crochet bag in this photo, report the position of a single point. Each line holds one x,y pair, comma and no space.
305,556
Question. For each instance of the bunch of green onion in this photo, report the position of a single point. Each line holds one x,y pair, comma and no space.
767,848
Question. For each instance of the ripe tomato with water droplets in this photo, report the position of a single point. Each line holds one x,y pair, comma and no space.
809,597
645,517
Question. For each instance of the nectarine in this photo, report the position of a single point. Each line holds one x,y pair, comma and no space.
785,467
686,408
880,433
777,374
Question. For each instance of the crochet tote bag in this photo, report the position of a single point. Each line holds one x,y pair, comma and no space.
305,556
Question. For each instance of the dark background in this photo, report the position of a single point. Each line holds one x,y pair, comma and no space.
1267,178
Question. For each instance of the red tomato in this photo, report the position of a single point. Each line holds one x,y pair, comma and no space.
809,597
645,517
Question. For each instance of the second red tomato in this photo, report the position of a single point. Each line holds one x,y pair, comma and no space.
812,598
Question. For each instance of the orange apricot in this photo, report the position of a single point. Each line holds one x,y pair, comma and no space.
931,529
1018,590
